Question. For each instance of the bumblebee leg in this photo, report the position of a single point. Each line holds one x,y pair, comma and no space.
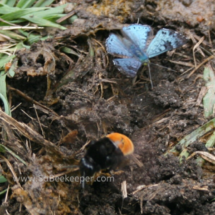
82,180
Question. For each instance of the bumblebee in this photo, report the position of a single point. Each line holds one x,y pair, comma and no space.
107,153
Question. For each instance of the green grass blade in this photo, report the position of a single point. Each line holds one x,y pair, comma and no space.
12,35
2,149
69,51
25,3
209,98
5,59
3,93
42,22
20,13
4,9
72,19
209,144
14,154
16,47
43,3
3,1
17,21
193,136
50,11
5,101
32,38
51,17
4,191
20,46
54,17
11,3
3,179
21,3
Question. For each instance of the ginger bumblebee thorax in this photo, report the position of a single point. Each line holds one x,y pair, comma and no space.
122,142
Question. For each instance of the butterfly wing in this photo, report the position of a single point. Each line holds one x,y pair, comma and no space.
127,66
165,40
140,35
116,46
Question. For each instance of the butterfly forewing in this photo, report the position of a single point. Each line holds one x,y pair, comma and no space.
127,66
116,46
165,40
140,35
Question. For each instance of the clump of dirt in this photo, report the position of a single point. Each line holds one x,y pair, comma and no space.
114,9
191,12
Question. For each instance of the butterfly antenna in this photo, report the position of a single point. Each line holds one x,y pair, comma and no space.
150,77
163,67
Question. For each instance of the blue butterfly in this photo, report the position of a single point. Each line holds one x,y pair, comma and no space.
136,46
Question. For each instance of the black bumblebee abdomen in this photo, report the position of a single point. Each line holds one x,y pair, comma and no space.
102,154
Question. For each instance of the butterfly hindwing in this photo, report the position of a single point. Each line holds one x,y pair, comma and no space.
165,40
138,34
116,46
127,66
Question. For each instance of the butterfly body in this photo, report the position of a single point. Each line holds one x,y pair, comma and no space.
138,53
137,45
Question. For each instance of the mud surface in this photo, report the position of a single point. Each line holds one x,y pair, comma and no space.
69,99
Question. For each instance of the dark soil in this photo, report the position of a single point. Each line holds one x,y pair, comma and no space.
89,98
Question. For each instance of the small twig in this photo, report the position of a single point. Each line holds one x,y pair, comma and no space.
28,147
192,37
27,115
188,64
204,188
141,187
201,95
5,37
6,196
124,190
205,61
31,100
138,162
20,207
209,36
205,155
107,81
20,27
12,170
14,108
63,173
82,148
66,17
9,23
39,121
30,133
197,47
